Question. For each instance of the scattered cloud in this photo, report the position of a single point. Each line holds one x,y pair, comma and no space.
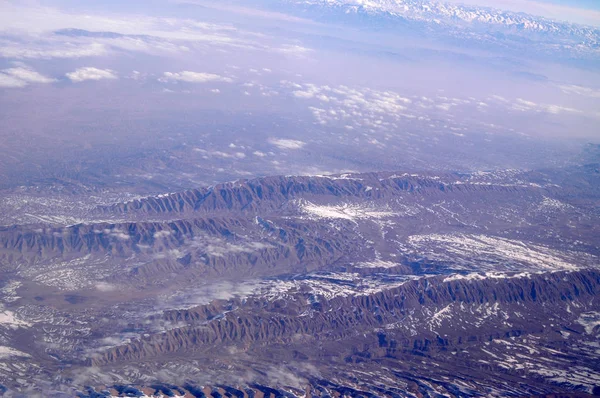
20,76
93,375
204,294
161,234
354,107
10,81
217,247
286,377
28,75
498,98
221,248
194,77
136,75
367,111
117,234
303,94
283,143
90,73
559,109
220,154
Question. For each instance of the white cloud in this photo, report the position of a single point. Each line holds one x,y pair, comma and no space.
90,73
444,107
294,50
28,75
524,105
54,50
118,234
560,109
346,106
20,76
194,77
521,103
220,154
259,154
498,98
10,81
283,143
580,90
303,94
161,234
219,248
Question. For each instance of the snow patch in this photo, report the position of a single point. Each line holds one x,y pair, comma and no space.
490,251
376,264
589,320
8,319
6,352
345,211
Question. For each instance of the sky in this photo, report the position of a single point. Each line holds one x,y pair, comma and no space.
590,4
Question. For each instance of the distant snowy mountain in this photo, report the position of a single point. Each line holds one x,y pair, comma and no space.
437,12
470,21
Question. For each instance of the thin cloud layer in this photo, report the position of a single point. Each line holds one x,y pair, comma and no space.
580,90
51,49
524,105
90,73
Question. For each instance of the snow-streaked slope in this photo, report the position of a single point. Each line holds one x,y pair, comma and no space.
490,253
346,211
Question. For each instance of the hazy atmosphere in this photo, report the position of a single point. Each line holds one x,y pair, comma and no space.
209,88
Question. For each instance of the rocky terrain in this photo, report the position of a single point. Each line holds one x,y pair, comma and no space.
376,284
